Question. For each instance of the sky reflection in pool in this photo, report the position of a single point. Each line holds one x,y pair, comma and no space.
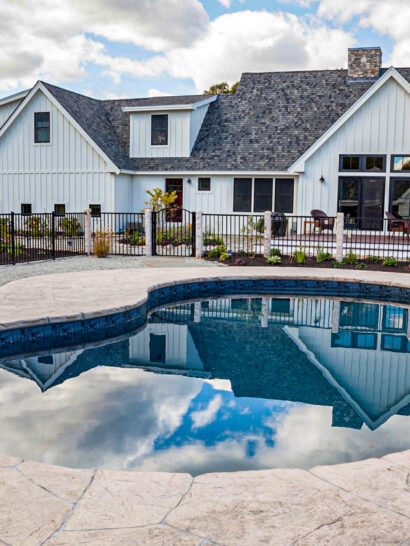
220,385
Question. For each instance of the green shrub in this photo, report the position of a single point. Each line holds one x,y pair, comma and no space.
390,262
223,256
374,259
35,226
274,252
137,239
70,226
361,266
274,260
299,255
322,256
350,259
212,239
337,264
217,251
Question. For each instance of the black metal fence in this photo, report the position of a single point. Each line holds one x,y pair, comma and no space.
124,230
173,232
28,238
239,233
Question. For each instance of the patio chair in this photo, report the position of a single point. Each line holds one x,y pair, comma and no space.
322,220
394,223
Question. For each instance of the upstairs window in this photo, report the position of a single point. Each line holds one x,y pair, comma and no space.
400,163
42,127
242,195
204,184
159,130
26,208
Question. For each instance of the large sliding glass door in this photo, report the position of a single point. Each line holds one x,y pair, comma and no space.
400,197
361,199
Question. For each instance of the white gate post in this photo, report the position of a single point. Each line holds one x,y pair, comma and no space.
267,233
197,311
340,221
198,235
265,312
148,232
336,316
87,231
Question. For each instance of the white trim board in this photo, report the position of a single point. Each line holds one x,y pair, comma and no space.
170,107
13,98
391,73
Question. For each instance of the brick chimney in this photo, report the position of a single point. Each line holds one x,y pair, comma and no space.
364,63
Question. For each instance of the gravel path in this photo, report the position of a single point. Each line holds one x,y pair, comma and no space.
9,273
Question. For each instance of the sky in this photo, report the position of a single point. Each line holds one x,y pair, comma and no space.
137,48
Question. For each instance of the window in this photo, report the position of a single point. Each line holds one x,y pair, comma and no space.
362,163
280,306
284,191
397,344
204,184
159,130
47,359
42,127
350,162
354,340
157,345
95,211
400,163
26,208
242,195
262,194
59,210
400,197
240,304
394,318
363,315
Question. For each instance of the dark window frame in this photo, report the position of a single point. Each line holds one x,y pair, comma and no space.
56,213
291,183
26,205
404,343
267,195
93,208
154,130
235,194
201,181
37,115
355,336
393,170
362,163
394,179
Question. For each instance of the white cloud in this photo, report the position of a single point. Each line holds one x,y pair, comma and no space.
157,93
225,3
202,418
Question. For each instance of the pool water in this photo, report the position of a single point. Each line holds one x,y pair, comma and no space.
219,385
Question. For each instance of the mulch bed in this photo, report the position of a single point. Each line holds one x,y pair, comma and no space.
260,261
33,255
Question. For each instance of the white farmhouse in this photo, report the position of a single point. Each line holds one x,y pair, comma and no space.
333,140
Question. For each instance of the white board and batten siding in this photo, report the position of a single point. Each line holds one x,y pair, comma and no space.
6,110
67,170
380,126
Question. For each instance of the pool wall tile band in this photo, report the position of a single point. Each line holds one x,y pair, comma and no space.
66,334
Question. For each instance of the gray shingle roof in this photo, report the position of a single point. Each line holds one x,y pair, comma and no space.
270,122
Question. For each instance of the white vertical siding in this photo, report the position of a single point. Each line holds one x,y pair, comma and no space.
6,110
124,194
178,135
197,118
381,126
67,170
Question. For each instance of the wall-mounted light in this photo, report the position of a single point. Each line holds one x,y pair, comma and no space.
189,181
321,179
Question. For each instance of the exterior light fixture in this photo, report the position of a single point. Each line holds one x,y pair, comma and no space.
321,179
189,181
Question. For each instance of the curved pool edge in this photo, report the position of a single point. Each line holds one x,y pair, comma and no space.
362,502
73,308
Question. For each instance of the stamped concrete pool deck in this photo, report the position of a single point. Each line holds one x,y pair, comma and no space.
360,503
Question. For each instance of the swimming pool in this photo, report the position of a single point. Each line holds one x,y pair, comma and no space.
228,383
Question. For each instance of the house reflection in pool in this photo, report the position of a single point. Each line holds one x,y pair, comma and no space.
351,356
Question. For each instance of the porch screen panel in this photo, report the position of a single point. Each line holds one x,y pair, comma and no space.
242,195
284,193
262,196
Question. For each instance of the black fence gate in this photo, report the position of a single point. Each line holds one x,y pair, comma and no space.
173,232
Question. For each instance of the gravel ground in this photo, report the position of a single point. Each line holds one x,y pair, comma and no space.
9,273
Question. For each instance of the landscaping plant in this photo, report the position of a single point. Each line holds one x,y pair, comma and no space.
224,256
217,251
70,226
274,260
102,243
274,252
361,266
299,255
350,259
390,262
323,256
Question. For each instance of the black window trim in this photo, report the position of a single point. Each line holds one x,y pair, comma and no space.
42,142
152,129
362,163
393,170
393,179
201,178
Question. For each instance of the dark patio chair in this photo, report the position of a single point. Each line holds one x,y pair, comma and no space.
394,223
322,220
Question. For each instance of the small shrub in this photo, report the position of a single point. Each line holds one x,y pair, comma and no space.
361,266
337,264
35,226
299,255
102,243
217,251
274,252
239,261
350,259
4,230
137,239
322,256
70,226
390,262
223,256
274,260
212,240
374,259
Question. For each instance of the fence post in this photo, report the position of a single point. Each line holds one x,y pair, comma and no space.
267,233
198,235
340,221
53,236
87,231
13,242
149,236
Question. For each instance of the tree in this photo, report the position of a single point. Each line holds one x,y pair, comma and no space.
222,89
160,200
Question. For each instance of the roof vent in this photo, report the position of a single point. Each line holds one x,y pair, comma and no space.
364,63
